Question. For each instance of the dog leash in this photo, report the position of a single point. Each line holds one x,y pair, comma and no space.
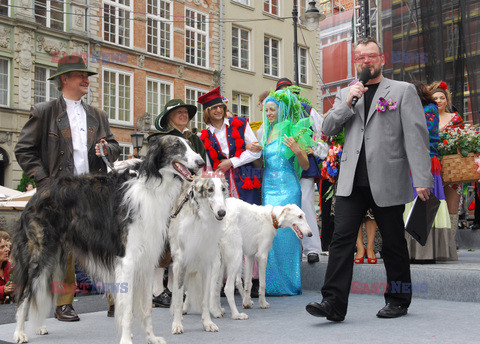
180,206
104,158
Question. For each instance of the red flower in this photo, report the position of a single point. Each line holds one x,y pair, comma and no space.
445,142
443,85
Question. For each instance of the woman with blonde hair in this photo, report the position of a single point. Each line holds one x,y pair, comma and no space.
448,120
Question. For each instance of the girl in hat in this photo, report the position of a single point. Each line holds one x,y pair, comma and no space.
225,141
174,120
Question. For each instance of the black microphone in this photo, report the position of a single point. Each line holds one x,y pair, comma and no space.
364,76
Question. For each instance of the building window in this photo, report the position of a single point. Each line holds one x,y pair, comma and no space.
158,94
302,65
240,48
159,29
50,13
244,2
241,104
4,82
43,89
118,96
117,21
195,38
191,96
126,152
3,7
271,6
271,54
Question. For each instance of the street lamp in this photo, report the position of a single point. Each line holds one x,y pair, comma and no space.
311,18
137,142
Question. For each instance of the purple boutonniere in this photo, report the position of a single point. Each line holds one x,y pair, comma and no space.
384,105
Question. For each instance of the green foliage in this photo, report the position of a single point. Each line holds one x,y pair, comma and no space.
464,140
24,181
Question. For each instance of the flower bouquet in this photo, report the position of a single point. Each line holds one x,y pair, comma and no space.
458,148
331,164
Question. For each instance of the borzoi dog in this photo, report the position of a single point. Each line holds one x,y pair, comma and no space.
250,230
116,226
194,236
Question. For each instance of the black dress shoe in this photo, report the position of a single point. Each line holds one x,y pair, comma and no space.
254,292
475,227
324,309
163,300
392,311
66,313
111,311
313,258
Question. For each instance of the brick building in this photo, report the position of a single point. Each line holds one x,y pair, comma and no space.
144,51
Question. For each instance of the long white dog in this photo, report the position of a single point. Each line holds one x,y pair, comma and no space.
250,230
194,235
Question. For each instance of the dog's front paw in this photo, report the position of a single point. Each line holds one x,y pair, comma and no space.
264,304
20,337
156,340
248,304
177,328
42,330
209,326
240,316
218,313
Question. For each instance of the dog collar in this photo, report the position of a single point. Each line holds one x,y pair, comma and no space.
275,221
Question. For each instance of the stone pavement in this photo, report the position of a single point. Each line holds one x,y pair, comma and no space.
287,322
437,314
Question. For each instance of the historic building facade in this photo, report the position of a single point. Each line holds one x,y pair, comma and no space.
144,51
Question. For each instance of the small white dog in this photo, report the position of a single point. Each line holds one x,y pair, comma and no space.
194,235
250,230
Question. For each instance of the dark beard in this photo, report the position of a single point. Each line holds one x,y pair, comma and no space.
376,73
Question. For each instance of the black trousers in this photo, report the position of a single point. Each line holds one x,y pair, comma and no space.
349,212
327,218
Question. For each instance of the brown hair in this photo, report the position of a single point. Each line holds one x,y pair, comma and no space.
206,113
4,235
424,94
365,41
263,95
434,87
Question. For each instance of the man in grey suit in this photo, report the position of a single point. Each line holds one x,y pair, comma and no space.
383,144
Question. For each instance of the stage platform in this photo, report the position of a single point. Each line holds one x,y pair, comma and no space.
444,309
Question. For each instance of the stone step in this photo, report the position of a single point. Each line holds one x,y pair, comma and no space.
452,281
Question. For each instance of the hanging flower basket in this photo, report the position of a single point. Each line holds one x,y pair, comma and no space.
457,168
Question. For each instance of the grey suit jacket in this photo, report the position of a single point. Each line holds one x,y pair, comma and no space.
396,142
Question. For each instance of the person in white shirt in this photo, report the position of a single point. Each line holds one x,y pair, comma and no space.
225,141
61,138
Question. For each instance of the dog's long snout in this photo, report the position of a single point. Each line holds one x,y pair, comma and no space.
221,213
200,163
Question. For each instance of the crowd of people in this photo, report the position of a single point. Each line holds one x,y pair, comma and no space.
390,154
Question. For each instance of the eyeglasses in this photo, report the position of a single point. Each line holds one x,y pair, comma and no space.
215,107
371,57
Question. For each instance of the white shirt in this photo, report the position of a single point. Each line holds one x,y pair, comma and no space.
221,135
78,127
